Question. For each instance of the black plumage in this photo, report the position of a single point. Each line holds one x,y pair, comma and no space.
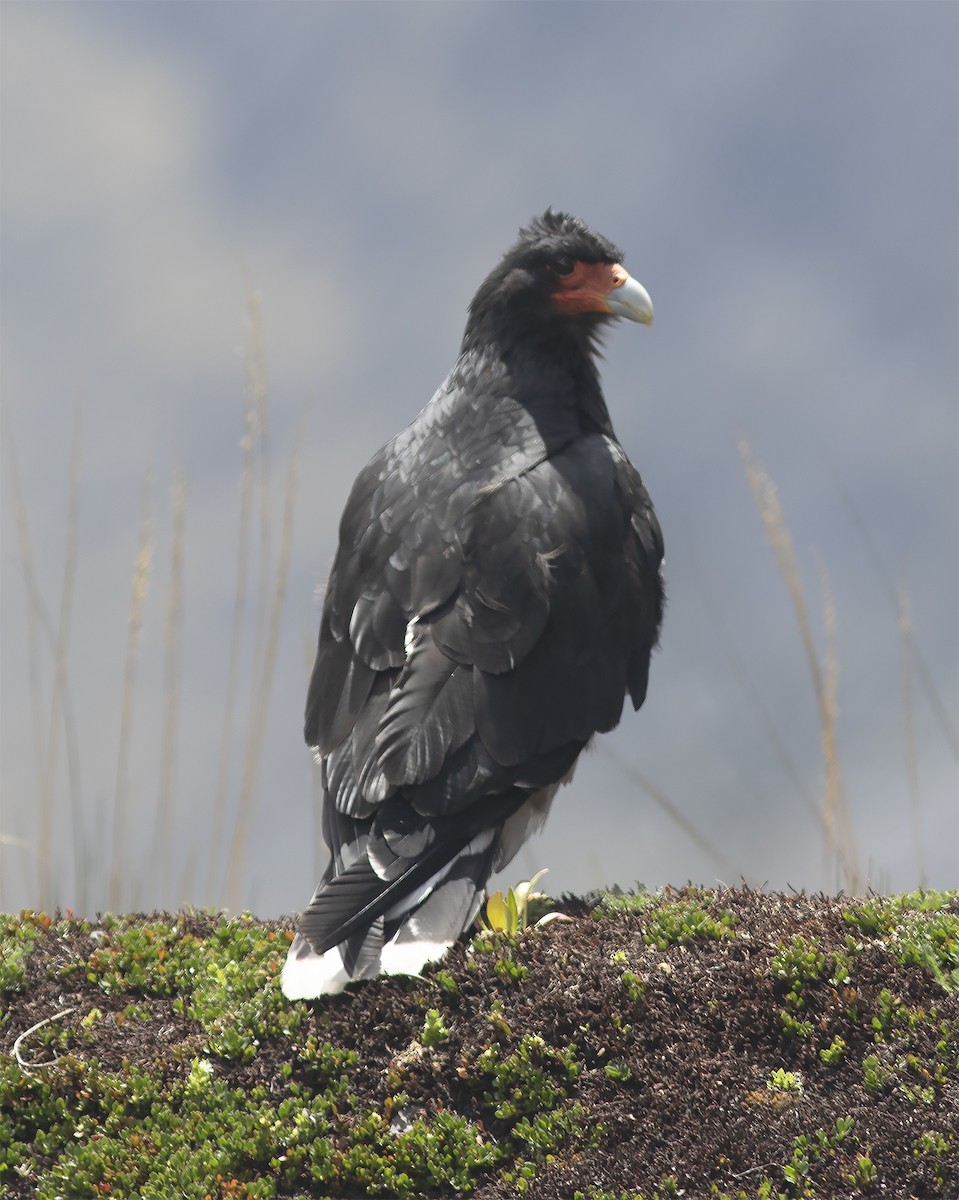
495,596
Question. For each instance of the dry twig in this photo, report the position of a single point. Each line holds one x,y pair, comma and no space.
28,1068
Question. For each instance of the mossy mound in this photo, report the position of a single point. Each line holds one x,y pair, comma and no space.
732,1044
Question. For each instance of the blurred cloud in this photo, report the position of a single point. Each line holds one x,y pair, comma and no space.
784,179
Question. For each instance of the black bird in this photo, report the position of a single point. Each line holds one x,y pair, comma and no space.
495,595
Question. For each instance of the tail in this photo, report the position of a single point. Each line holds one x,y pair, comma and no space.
399,890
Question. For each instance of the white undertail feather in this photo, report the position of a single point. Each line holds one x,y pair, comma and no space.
307,974
440,913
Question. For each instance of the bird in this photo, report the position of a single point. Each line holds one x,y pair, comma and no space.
496,594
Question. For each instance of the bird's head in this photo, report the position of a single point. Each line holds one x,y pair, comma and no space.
558,273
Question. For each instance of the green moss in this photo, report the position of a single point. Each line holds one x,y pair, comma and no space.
800,962
446,983
684,921
445,1151
534,1078
782,1080
202,1129
238,1005
548,1132
917,928
930,941
901,1031
598,1193
938,1152
617,901
833,1054
151,959
798,969
324,1066
434,1031
508,967
694,915
16,942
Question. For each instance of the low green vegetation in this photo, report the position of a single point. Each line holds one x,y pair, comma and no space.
915,929
156,1057
16,942
692,916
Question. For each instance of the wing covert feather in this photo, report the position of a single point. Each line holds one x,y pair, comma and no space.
535,602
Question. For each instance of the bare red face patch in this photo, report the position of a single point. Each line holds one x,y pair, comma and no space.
586,287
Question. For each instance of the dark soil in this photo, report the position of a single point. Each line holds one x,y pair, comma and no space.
678,1047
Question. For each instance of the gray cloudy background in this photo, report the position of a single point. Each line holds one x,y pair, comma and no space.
783,179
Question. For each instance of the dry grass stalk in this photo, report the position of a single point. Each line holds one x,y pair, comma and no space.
834,792
36,614
261,687
248,446
259,399
81,845
60,656
166,797
270,595
40,623
908,729
834,809
255,480
141,582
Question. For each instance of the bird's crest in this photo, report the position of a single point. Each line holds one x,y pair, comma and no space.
555,231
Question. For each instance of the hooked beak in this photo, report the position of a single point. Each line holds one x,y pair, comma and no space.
628,298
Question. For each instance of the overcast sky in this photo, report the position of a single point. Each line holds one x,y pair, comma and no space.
784,180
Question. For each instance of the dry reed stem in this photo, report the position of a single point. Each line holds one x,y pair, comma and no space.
669,808
829,711
81,850
262,685
834,791
248,445
141,583
166,796
40,622
908,730
833,808
36,614
257,391
60,655
255,480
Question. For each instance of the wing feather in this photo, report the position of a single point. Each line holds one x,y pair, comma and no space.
429,714
527,568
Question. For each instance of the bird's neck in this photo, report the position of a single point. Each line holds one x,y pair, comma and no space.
552,373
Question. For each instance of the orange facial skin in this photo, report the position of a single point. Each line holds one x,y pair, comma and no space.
587,287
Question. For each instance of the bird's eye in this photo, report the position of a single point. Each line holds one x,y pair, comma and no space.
562,266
